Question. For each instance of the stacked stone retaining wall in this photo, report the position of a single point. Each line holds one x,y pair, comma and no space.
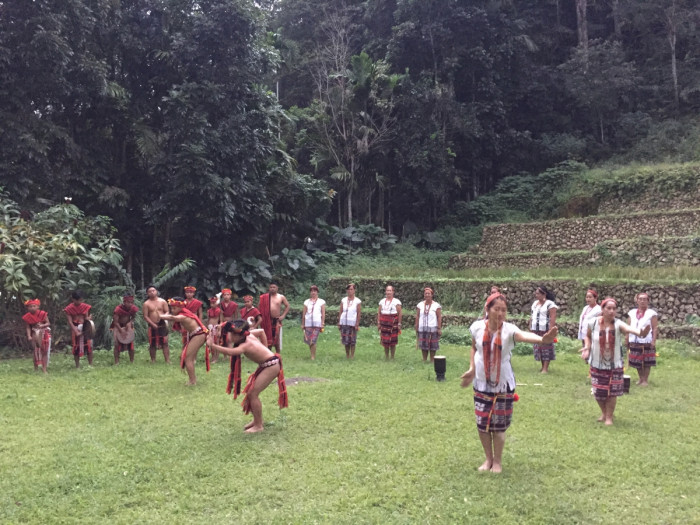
638,251
584,233
650,201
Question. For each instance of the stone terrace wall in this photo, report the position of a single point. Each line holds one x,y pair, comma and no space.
638,251
673,302
584,233
650,201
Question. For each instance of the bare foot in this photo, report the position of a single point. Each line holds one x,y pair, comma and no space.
608,422
543,372
496,469
190,383
643,384
601,419
486,465
248,425
638,382
254,429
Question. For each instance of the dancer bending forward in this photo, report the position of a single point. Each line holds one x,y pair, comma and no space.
253,344
490,370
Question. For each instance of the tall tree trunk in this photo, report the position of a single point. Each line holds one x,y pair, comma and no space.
582,26
602,128
617,18
380,208
350,187
672,27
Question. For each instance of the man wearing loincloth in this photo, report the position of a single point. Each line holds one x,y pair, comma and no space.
123,327
153,308
240,341
38,333
196,335
78,314
193,305
270,306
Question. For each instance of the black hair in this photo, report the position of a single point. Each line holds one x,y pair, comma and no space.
178,298
547,293
237,326
77,294
349,285
151,286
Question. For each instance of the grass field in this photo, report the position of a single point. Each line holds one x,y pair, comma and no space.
370,442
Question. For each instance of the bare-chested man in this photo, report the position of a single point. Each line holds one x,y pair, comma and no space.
270,307
153,308
196,335
252,344
123,327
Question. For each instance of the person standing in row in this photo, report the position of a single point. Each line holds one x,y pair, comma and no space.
491,372
590,311
603,350
153,308
251,314
270,306
643,349
389,321
229,308
122,327
38,333
544,317
428,325
349,320
313,319
78,315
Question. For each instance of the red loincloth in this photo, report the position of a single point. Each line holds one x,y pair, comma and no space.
204,330
282,398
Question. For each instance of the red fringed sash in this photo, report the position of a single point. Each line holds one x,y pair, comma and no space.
234,377
213,313
229,309
34,318
253,312
266,323
492,357
81,309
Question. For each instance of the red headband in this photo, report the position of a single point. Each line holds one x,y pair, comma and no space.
226,290
214,299
592,292
174,302
31,302
246,297
493,297
607,300
190,289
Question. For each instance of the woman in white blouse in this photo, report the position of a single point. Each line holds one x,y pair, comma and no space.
605,353
491,372
349,320
643,349
428,325
544,317
591,310
389,319
313,319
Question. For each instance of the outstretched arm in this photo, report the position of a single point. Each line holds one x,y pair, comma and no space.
627,329
527,337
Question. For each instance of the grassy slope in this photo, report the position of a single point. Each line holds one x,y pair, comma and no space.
375,443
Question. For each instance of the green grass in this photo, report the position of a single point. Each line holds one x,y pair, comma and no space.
374,442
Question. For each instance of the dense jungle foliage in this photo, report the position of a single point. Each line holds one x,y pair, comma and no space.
245,135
